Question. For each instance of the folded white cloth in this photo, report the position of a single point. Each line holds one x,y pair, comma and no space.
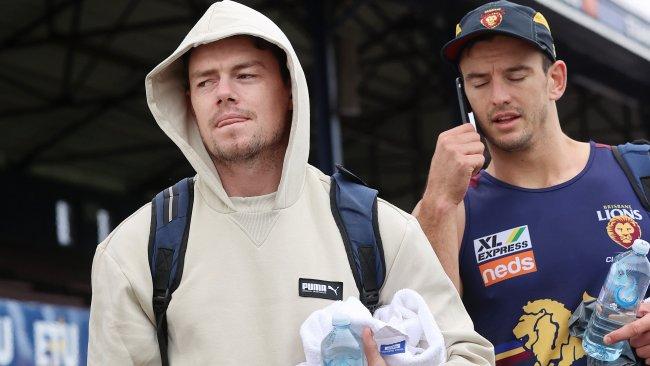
405,330
314,329
424,342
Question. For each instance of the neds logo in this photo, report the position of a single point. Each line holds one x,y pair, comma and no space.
508,267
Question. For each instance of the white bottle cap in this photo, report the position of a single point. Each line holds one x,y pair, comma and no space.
641,247
340,319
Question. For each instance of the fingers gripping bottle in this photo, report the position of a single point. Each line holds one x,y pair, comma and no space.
618,302
342,347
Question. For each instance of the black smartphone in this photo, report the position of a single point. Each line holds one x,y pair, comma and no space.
466,114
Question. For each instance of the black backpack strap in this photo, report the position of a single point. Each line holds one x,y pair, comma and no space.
171,212
634,159
354,207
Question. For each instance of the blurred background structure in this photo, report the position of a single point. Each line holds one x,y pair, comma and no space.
79,150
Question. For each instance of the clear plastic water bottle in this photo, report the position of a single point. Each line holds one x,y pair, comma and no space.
342,347
619,299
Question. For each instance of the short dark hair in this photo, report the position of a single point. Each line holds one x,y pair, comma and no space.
546,60
260,44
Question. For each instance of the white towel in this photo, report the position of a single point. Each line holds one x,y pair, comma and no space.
314,329
407,318
424,342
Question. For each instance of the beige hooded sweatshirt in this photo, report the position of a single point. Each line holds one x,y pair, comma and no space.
237,302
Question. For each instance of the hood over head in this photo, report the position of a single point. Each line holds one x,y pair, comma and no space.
166,88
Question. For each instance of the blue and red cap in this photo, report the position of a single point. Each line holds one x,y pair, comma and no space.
504,18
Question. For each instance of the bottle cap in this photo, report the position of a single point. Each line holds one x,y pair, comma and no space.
340,319
641,247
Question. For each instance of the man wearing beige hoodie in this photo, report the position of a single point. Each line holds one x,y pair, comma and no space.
261,217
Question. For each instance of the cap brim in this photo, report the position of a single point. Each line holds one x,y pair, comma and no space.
451,50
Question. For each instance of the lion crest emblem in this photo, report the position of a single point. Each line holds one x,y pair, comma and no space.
623,230
492,18
544,326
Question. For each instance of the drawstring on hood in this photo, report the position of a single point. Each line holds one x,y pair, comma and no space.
166,97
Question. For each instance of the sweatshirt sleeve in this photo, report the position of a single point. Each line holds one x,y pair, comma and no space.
120,333
415,266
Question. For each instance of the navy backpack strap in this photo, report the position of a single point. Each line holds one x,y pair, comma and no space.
171,212
354,207
634,159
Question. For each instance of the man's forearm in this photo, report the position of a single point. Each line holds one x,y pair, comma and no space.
440,225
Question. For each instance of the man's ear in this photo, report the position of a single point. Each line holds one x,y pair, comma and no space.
557,80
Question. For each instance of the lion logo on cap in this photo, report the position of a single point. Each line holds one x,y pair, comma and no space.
623,230
492,18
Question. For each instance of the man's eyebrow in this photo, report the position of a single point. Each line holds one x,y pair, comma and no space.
202,73
237,67
478,75
518,68
247,64
475,75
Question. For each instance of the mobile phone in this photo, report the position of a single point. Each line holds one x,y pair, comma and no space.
466,114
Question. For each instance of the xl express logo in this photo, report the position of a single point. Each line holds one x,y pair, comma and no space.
497,245
505,255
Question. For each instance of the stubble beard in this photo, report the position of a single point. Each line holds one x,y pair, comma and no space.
238,153
255,150
524,140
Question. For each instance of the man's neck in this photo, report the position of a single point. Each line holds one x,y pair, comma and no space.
251,178
550,160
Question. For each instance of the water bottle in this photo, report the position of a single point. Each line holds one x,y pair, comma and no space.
618,301
342,347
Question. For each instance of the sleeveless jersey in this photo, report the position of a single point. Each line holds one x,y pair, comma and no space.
530,256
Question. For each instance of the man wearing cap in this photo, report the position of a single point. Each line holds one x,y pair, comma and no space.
530,237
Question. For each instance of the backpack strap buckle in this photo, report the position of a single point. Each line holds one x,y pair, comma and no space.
370,299
160,301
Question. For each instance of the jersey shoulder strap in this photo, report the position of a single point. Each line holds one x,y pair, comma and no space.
171,212
354,207
634,159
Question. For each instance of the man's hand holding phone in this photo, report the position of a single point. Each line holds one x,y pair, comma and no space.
458,156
